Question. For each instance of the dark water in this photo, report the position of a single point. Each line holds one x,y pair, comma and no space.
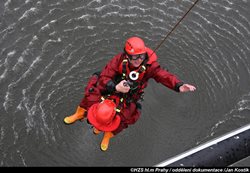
48,50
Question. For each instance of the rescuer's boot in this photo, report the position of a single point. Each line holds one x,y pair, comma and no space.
105,140
78,115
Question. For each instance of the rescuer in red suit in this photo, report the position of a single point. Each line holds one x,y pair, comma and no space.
120,87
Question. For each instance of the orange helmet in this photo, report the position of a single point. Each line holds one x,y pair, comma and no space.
103,116
135,46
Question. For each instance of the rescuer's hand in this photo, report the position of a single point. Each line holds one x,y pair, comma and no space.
186,88
122,87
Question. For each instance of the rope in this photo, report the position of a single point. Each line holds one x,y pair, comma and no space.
159,45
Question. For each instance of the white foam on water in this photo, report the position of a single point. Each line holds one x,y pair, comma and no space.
28,13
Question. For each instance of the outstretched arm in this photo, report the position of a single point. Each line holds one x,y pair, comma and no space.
164,77
169,80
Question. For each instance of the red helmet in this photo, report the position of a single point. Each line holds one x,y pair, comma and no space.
135,46
103,116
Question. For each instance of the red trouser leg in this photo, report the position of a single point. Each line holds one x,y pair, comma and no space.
120,128
129,116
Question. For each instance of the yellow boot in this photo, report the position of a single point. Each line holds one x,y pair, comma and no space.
105,140
78,115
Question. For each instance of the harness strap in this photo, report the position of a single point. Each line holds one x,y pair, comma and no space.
124,69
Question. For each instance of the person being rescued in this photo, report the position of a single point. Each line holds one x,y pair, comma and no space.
112,97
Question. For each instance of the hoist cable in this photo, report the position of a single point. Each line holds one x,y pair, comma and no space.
159,45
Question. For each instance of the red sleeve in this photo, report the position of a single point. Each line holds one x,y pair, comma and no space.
107,75
164,77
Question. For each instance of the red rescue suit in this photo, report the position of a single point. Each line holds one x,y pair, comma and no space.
110,77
